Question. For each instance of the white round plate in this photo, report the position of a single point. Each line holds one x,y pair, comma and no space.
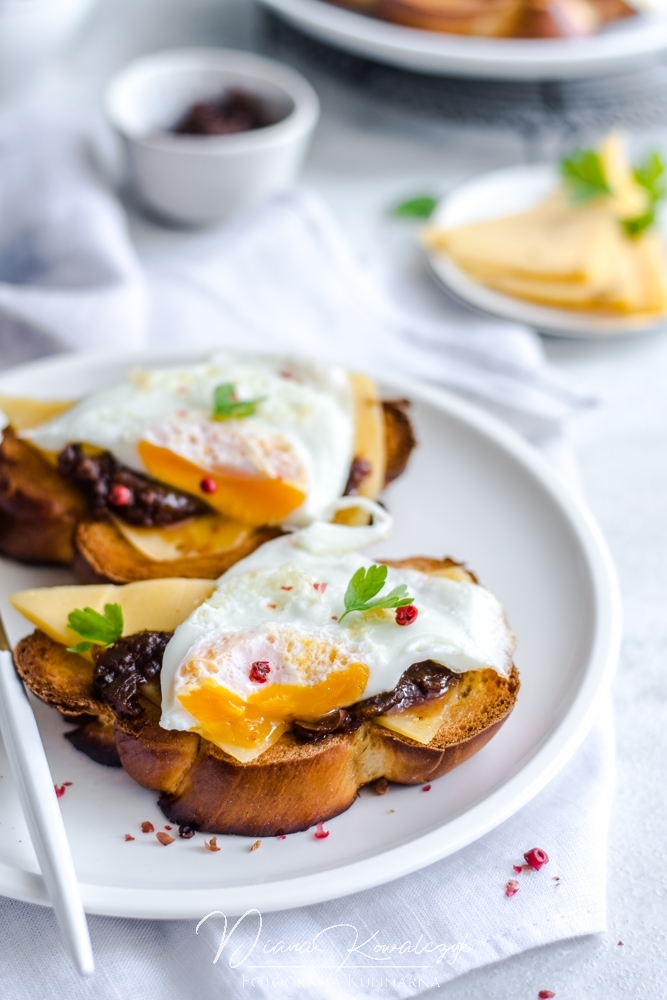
472,490
494,195
622,45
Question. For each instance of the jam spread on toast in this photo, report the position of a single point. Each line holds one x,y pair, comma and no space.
137,499
121,669
420,683
135,660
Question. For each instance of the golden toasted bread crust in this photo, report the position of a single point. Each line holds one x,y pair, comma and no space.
496,18
289,787
399,437
39,509
104,555
44,518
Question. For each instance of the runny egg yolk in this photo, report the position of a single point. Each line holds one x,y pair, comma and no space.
226,718
253,500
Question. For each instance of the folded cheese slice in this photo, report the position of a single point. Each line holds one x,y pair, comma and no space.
151,605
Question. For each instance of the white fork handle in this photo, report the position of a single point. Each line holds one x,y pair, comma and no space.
42,814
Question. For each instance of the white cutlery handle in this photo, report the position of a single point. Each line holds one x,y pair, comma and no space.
42,813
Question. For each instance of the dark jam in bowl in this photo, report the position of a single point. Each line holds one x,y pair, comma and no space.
232,111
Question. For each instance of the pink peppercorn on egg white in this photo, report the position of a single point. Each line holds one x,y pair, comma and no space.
268,646
283,462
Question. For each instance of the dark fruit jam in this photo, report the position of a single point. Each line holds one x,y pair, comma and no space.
232,111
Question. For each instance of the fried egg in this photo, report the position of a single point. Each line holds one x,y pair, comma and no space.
282,463
268,647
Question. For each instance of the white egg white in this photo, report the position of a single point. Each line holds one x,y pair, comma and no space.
304,423
270,605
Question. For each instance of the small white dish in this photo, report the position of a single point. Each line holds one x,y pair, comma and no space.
504,192
632,42
531,541
194,179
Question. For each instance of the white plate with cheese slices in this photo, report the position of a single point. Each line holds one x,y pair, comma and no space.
630,42
472,490
503,193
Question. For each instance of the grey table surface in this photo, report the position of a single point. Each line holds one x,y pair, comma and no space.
384,135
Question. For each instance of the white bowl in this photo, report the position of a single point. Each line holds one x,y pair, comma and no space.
195,179
32,31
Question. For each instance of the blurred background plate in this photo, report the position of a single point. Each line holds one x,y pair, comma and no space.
624,45
504,192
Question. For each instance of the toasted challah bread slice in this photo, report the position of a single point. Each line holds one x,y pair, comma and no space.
489,18
498,18
39,508
45,518
292,785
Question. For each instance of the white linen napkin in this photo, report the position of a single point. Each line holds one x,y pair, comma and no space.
457,905
69,277
282,278
283,275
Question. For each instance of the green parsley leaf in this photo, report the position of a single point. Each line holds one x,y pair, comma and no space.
416,208
584,175
96,629
227,407
636,226
651,175
364,586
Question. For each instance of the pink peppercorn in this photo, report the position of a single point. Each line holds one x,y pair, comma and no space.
121,496
259,670
536,858
208,485
512,887
406,615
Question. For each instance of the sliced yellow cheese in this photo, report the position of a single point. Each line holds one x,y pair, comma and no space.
553,240
570,255
636,282
369,436
629,199
153,605
246,754
199,536
420,723
369,445
24,414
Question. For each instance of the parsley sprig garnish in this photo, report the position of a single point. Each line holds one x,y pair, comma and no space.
651,175
584,175
364,586
96,629
227,407
416,208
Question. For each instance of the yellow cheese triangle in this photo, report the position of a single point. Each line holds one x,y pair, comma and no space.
420,723
198,536
369,435
24,414
369,445
552,240
153,605
629,199
246,754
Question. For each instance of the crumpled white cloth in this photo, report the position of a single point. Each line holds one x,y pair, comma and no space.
283,278
283,275
69,277
454,915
